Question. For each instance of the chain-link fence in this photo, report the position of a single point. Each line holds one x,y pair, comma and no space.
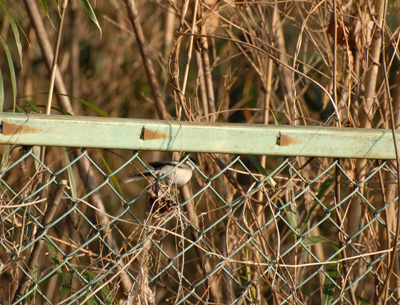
296,231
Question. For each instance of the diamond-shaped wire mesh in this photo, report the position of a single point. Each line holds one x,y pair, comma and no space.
239,234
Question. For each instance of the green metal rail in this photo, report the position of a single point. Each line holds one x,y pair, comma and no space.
73,131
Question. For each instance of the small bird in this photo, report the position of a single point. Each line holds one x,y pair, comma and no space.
170,173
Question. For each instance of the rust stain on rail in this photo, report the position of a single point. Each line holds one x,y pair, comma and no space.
10,129
148,134
285,140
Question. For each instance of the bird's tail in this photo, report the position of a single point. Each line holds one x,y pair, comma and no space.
136,177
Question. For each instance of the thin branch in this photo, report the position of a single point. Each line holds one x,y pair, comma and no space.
47,52
383,293
147,63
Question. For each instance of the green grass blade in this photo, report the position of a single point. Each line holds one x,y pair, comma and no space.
261,169
107,294
71,177
53,254
113,179
319,194
5,158
362,300
33,106
1,92
88,8
12,71
66,285
37,152
20,109
313,240
329,284
45,7
14,29
87,104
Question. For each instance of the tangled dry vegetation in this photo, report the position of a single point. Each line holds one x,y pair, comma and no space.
320,63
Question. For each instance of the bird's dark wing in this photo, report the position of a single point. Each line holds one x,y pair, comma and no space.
163,163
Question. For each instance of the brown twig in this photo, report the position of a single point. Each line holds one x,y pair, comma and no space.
382,298
47,51
54,69
147,63
83,163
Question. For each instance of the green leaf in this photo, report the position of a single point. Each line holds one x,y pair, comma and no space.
14,29
113,179
248,277
322,189
90,105
12,71
261,169
37,151
291,213
1,93
66,285
60,110
109,299
104,291
310,241
362,300
20,109
276,122
56,263
329,284
305,222
319,194
257,164
53,254
71,177
5,159
92,301
33,106
38,107
291,208
44,5
313,240
88,8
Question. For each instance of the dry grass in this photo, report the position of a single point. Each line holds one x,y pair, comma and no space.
265,62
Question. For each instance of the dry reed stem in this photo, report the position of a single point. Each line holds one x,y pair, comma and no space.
47,51
147,63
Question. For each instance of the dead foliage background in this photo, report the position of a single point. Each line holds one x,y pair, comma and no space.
314,231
